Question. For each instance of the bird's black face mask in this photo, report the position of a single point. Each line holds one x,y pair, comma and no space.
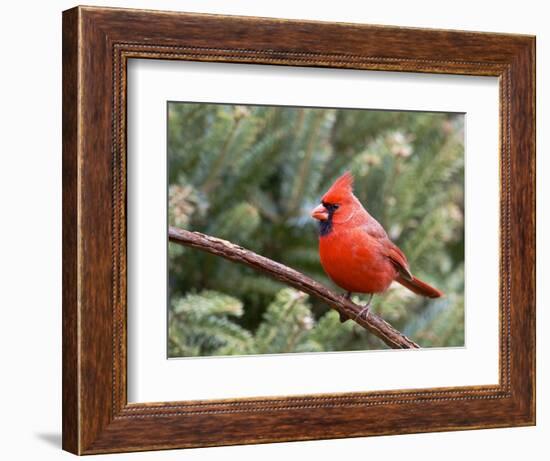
325,227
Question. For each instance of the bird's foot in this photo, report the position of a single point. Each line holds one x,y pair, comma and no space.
366,310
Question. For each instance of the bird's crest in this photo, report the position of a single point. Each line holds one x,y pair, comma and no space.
341,189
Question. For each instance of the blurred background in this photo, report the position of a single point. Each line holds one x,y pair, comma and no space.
252,174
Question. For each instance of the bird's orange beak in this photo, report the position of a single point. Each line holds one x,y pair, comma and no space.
320,213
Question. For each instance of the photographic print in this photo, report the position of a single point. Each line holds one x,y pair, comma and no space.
368,202
252,219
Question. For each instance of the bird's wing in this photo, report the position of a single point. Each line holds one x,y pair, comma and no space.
375,229
395,255
399,260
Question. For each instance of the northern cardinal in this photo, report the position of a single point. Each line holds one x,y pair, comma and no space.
355,251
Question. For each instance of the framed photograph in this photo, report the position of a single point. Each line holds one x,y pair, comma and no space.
282,230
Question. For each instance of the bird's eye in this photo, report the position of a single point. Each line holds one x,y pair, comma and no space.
330,206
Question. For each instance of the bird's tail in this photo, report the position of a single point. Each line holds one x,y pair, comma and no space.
419,287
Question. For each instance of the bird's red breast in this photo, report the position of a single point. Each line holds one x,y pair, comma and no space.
356,261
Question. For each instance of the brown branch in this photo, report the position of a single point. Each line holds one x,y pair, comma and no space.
373,323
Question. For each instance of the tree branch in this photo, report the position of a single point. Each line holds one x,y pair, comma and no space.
373,323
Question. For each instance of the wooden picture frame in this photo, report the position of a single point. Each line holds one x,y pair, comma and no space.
97,43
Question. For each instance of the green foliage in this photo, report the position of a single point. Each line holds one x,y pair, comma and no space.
200,325
252,174
285,324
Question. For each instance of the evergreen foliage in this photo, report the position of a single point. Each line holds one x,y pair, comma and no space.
252,174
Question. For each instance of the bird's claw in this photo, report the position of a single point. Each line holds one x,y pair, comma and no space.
365,311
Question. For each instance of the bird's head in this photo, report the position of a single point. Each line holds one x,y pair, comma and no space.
338,205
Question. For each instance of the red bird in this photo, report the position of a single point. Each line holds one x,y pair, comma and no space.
356,253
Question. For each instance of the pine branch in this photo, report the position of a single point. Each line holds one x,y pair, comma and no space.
373,323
